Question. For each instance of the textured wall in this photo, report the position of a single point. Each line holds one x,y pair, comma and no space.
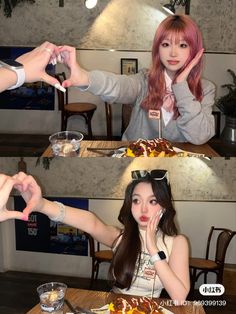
191,178
117,24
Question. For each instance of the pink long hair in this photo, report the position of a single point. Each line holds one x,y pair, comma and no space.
176,26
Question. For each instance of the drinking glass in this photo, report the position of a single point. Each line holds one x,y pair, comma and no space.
66,143
52,296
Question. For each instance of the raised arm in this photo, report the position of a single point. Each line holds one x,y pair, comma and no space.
78,218
173,274
78,76
34,63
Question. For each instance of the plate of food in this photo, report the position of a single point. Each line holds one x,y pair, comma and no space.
158,147
133,305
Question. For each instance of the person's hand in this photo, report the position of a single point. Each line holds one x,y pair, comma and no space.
78,76
185,73
7,183
36,61
30,191
151,234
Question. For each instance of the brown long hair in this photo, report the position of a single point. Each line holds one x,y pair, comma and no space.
175,25
129,249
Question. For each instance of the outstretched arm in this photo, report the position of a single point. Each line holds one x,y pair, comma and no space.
78,218
34,63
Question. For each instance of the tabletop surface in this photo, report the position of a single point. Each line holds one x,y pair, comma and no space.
89,299
112,145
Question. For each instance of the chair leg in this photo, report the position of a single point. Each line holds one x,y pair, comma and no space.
192,281
220,277
205,277
89,124
97,270
92,275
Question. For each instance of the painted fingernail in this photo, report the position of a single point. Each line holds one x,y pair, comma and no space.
61,88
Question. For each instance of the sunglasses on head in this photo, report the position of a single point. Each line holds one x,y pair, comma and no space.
156,174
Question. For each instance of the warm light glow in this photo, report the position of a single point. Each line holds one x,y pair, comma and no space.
90,4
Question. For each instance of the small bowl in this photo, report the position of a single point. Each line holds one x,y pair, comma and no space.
66,143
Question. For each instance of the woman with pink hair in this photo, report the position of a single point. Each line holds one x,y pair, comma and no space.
171,91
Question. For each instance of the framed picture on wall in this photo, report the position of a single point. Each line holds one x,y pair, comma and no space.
129,66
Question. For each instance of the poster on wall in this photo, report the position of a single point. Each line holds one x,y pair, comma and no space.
33,96
40,234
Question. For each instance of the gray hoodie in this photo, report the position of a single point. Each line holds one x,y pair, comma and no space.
195,123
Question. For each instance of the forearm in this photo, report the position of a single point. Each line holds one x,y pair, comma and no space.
114,88
80,219
195,121
75,217
8,78
175,287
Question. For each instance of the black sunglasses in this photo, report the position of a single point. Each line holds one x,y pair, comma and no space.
156,174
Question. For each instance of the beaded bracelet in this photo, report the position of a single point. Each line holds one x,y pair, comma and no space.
61,215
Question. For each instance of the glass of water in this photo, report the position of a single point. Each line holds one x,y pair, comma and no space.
52,296
66,143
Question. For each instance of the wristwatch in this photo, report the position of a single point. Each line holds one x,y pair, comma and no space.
16,67
158,257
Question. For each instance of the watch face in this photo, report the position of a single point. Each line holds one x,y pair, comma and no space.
9,63
162,255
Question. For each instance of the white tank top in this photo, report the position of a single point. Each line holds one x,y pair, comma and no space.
146,283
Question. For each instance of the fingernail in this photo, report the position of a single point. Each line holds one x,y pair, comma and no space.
25,217
54,61
59,58
61,88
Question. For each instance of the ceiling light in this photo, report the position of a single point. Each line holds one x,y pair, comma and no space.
170,7
90,4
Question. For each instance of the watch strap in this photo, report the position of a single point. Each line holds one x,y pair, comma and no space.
20,78
20,73
159,256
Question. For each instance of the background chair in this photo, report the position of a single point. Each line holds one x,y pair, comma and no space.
86,110
98,257
200,266
125,118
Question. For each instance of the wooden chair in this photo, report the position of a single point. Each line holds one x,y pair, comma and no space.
217,116
86,110
125,118
199,266
98,257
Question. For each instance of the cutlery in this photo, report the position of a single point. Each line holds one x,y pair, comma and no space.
77,309
104,148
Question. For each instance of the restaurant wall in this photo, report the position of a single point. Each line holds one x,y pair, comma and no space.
192,179
116,24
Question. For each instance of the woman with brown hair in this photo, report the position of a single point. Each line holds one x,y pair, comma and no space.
148,253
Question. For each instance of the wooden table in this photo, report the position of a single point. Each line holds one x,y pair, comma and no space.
200,149
93,299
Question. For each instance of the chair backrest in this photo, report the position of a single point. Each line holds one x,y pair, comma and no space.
92,247
62,97
125,118
222,243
